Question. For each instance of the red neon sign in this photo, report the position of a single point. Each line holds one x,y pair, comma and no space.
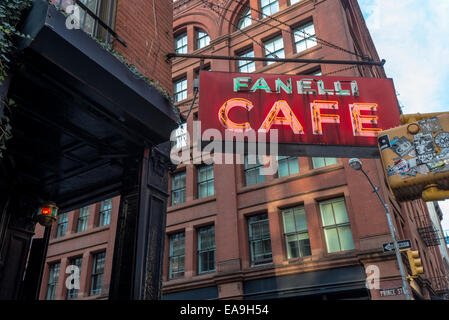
309,112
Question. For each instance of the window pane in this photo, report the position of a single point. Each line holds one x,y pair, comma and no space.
274,49
205,181
332,240
245,19
181,43
292,246
300,219
176,259
283,168
203,39
346,240
327,214
180,90
318,162
331,161
53,279
105,213
293,165
206,249
305,37
304,245
289,221
341,215
252,172
259,237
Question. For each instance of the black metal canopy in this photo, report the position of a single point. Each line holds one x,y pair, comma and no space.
79,113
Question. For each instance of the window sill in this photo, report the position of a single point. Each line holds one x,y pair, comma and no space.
191,203
75,235
254,187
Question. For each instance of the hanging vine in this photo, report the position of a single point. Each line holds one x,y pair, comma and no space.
10,14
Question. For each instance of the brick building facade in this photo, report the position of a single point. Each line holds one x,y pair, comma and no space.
307,232
310,230
86,237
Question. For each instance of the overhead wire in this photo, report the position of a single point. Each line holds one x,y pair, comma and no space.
307,35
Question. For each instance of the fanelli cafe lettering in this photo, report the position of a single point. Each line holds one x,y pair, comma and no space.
306,110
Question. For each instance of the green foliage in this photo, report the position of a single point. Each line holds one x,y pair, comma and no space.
10,14
134,70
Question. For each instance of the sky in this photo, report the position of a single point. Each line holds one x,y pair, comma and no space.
413,37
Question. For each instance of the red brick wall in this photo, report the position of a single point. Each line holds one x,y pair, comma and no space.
147,28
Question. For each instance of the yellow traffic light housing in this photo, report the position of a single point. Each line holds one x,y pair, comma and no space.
415,157
415,263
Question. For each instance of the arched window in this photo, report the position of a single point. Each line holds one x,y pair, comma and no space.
245,18
202,39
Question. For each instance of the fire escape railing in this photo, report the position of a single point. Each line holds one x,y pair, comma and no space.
440,285
62,5
427,231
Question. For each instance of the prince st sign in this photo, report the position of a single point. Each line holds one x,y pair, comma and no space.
315,116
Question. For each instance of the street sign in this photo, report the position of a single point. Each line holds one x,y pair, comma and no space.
391,292
402,244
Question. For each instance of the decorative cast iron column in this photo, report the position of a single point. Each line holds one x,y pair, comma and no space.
139,246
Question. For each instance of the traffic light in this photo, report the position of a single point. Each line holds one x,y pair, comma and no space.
415,263
415,157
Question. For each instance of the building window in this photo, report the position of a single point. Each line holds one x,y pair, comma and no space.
181,136
61,228
83,219
202,39
337,229
252,171
178,188
246,66
105,213
206,249
259,239
180,89
269,7
53,278
205,181
305,37
97,273
245,19
319,162
296,233
177,254
287,166
274,48
73,293
103,9
317,72
294,1
181,43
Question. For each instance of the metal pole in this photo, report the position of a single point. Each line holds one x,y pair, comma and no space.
395,242
265,59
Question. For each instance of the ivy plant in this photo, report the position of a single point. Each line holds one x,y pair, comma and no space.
10,14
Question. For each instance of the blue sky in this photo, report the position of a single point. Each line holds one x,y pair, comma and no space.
413,36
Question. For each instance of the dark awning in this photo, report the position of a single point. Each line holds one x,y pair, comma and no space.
80,112
331,281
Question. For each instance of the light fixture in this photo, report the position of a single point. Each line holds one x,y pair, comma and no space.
47,214
355,163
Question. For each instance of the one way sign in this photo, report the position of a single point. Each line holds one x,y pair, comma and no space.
402,244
